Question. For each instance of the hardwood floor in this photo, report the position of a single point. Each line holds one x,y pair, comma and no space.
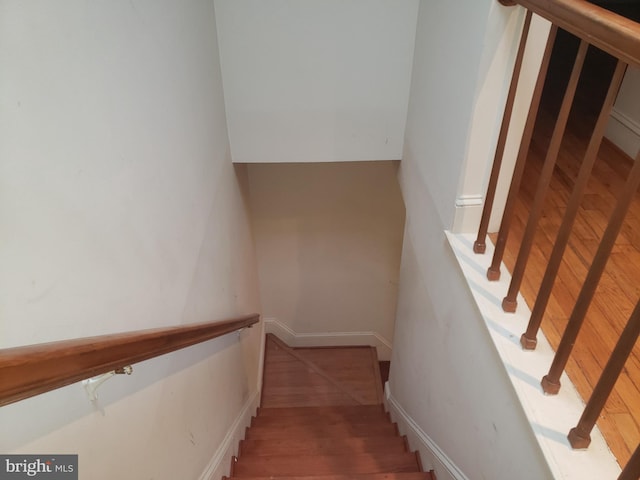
619,288
311,377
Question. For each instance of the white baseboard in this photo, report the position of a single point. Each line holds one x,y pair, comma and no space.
263,341
466,218
624,132
220,463
328,339
431,454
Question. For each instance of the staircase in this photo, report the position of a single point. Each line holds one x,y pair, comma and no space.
322,419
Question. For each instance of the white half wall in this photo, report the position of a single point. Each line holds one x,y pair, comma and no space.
495,73
316,80
624,123
328,240
431,455
445,373
120,210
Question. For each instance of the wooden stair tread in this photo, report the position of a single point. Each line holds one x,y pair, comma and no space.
304,432
312,379
321,410
308,399
352,476
326,419
287,465
305,387
323,446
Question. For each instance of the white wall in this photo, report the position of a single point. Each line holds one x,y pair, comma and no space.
328,240
120,209
624,124
494,77
445,374
316,80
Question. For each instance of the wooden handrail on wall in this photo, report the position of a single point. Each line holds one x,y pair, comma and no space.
35,369
602,28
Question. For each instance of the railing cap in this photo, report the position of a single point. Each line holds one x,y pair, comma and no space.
613,33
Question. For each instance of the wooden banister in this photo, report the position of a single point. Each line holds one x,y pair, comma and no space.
551,381
619,37
493,272
509,303
480,246
35,369
602,28
630,471
580,435
528,339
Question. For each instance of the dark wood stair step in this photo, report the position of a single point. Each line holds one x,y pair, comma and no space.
347,410
306,432
323,446
353,476
288,465
309,400
308,394
303,379
325,419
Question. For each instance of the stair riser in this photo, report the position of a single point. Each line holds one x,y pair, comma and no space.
353,476
307,400
325,465
320,420
301,433
329,446
311,411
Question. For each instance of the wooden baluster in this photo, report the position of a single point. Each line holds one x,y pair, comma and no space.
493,273
551,381
528,339
479,246
509,303
632,468
580,436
